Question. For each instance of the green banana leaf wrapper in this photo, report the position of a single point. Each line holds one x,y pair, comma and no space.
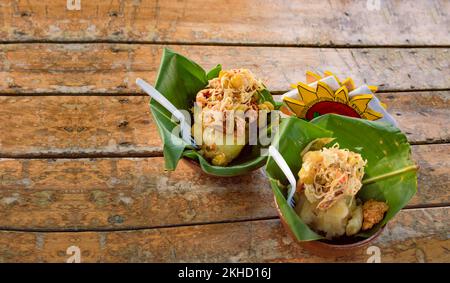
179,80
390,173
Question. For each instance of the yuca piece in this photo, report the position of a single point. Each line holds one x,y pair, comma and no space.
328,183
233,90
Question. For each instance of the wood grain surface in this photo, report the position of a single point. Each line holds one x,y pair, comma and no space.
336,22
419,235
129,193
71,126
113,68
80,156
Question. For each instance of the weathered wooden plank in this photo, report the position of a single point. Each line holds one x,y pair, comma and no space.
61,126
113,68
337,22
434,174
70,125
136,192
422,116
413,236
99,193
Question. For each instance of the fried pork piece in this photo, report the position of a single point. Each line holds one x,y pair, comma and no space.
373,212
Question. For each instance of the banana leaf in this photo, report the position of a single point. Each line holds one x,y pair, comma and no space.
179,80
390,173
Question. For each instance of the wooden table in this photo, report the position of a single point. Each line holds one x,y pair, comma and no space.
81,167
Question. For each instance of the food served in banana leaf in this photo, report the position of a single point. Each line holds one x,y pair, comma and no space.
233,90
371,170
329,181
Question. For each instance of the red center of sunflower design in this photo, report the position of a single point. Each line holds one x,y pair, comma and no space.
326,107
318,98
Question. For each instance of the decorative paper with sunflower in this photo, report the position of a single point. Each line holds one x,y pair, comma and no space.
323,95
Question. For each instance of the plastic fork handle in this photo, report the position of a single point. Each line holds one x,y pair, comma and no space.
156,95
286,170
161,99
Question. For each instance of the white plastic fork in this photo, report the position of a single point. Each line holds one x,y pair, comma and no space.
273,152
156,95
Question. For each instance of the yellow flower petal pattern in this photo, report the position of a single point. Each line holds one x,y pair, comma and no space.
321,99
370,114
307,93
360,102
295,106
324,92
311,77
341,95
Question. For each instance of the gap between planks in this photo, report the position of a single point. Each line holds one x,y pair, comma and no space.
169,226
139,94
224,44
134,153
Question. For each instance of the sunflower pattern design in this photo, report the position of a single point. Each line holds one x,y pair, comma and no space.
323,95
